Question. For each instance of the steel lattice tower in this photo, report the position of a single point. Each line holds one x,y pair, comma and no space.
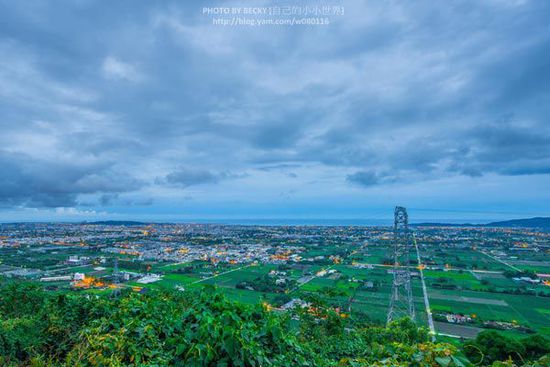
116,279
401,303
116,274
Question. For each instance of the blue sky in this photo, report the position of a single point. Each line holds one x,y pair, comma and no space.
147,110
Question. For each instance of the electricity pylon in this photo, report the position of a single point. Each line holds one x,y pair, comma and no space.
116,279
401,302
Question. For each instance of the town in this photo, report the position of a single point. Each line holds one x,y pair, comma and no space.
476,278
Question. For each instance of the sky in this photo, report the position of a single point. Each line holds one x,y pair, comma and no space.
149,110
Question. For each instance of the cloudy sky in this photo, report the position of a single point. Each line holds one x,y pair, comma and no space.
148,110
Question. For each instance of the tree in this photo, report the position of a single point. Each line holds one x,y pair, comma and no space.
490,346
535,346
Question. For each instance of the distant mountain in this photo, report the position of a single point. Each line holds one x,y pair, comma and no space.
117,223
538,222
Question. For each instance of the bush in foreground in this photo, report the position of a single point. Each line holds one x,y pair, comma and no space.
203,328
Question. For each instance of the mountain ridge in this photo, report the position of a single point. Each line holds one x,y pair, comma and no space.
535,222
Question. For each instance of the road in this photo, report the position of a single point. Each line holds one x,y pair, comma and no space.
425,291
450,269
499,260
217,275
310,279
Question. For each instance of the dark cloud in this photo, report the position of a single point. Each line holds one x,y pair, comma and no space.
185,177
506,147
34,182
364,178
107,199
370,178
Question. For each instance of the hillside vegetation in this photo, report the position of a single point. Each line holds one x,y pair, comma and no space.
203,328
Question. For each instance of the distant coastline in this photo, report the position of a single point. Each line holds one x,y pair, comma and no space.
537,222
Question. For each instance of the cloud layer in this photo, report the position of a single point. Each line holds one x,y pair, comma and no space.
144,107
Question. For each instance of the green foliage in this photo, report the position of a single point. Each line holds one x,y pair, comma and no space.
20,299
541,362
280,299
490,347
160,328
535,346
518,274
203,328
18,339
183,330
399,344
333,292
267,284
37,323
404,355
